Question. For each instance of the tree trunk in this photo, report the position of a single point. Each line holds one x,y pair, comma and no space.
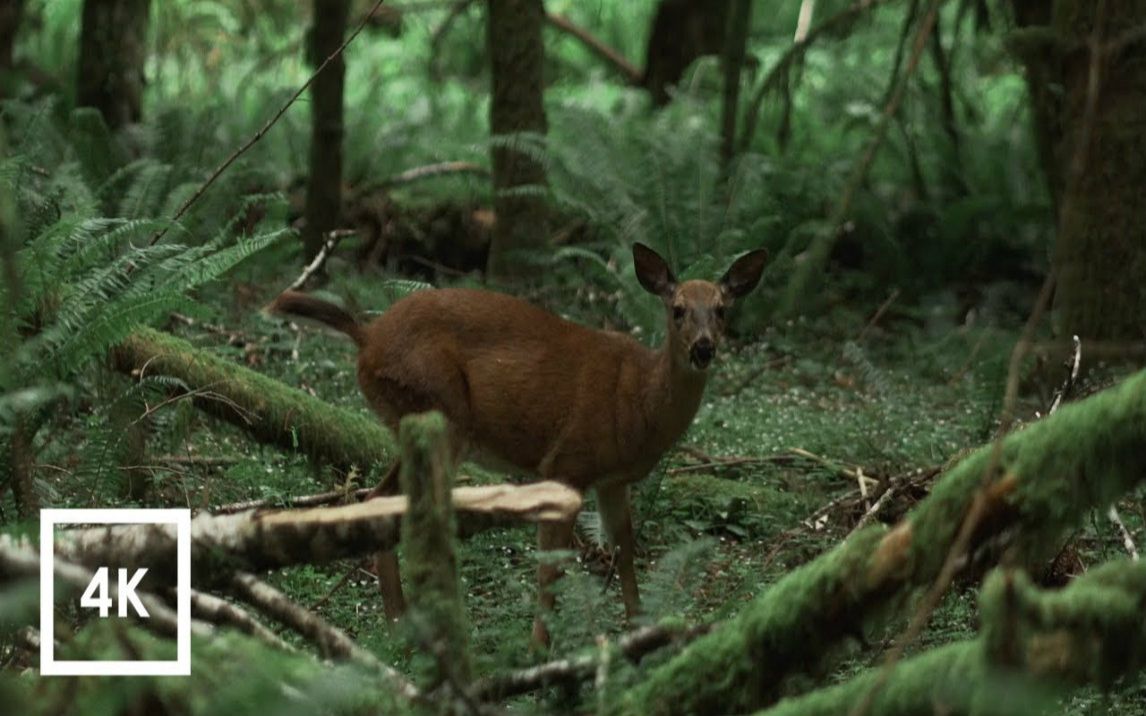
732,62
1100,254
113,48
11,11
324,184
516,56
682,31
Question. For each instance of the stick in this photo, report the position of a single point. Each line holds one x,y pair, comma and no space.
332,642
265,128
332,239
615,59
324,498
1071,376
1127,539
633,646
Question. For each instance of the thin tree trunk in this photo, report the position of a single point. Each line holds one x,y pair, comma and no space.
324,183
732,61
516,55
113,48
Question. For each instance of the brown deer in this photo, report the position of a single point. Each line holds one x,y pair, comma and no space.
527,391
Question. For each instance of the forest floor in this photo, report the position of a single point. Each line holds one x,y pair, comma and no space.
789,424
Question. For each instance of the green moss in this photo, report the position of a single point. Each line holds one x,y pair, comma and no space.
269,410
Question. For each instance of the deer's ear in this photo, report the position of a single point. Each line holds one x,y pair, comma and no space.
653,271
744,273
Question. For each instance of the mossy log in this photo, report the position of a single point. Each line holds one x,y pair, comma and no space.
1032,645
1049,475
270,411
438,614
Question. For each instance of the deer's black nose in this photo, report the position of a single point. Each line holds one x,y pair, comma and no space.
701,353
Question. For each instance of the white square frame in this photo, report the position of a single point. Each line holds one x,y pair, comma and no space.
181,518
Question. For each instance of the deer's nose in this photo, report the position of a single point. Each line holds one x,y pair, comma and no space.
701,352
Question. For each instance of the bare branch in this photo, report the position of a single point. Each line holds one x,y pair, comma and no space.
252,540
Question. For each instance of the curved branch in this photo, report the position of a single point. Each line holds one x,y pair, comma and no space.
612,57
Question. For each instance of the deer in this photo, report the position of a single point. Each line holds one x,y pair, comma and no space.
524,390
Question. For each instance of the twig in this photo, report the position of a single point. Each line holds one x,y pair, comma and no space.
334,590
332,642
615,59
1071,376
440,34
324,498
773,79
878,314
633,646
328,246
265,128
804,20
873,510
1127,539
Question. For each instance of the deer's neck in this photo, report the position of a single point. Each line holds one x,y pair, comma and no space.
675,398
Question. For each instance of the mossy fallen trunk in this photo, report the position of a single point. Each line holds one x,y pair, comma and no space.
1049,475
1033,644
428,534
270,411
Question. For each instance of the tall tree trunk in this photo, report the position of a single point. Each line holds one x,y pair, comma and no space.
113,48
682,31
324,184
11,11
732,62
516,56
1100,253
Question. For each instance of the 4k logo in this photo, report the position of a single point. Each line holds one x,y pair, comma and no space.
112,592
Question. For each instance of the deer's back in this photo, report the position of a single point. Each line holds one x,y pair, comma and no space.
524,387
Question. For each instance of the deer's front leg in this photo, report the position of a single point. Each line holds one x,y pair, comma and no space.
617,519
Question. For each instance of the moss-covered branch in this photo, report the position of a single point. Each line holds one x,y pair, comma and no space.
1033,643
270,411
1050,474
428,533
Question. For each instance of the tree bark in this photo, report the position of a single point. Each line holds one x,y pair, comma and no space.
1094,167
732,62
1044,489
324,183
271,412
11,12
517,56
682,31
113,48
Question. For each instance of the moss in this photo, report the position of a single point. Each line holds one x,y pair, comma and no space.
1054,471
428,535
269,410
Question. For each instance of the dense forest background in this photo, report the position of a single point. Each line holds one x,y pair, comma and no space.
913,485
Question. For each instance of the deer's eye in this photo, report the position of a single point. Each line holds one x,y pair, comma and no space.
678,313
719,311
